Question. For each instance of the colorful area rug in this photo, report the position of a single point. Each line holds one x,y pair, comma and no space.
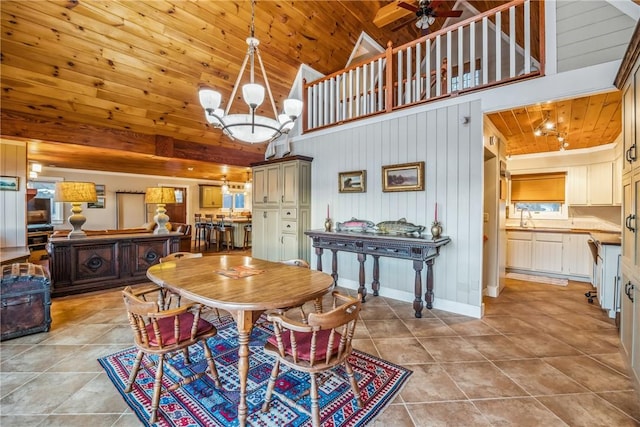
201,404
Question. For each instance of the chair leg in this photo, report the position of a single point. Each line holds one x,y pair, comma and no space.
212,364
157,389
272,382
315,409
354,383
134,371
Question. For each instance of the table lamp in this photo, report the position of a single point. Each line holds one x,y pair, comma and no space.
76,193
160,196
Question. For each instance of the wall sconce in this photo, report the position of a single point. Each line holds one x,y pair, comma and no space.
160,196
225,185
76,193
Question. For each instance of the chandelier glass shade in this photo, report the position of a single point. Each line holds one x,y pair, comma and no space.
250,127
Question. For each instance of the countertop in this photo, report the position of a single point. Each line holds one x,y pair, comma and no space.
603,237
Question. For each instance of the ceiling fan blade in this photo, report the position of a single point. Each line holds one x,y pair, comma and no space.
433,4
408,6
448,14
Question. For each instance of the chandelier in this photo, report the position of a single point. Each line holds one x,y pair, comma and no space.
547,128
250,127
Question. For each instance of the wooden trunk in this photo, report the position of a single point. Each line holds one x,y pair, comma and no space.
26,300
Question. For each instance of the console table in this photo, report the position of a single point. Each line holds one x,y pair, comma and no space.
418,249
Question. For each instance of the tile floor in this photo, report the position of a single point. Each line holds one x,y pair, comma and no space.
541,356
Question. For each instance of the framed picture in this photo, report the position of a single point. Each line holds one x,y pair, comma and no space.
404,177
352,182
100,192
9,183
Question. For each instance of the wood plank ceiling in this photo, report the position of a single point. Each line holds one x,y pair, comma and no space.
112,85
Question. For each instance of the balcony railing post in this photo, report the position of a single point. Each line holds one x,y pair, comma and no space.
388,84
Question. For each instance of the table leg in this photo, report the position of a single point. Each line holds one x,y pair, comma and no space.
319,259
428,296
334,266
375,284
361,289
417,302
244,320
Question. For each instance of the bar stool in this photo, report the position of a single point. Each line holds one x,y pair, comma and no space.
200,231
225,235
209,226
247,236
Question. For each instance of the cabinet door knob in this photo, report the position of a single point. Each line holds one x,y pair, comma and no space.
628,289
627,222
631,154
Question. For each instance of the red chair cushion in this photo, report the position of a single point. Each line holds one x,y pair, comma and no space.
166,329
303,343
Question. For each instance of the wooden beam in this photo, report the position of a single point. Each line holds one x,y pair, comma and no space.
390,13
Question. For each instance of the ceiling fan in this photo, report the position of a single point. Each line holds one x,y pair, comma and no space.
426,13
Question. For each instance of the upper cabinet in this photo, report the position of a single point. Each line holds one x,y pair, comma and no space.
591,185
210,196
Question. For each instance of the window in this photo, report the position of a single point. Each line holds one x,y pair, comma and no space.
542,195
466,81
233,201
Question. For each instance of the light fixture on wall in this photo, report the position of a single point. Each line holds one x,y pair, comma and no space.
548,128
76,193
160,196
225,185
250,127
34,170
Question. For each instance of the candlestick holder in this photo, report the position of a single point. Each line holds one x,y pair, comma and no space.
436,229
327,224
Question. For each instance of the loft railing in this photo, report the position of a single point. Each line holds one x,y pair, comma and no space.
496,47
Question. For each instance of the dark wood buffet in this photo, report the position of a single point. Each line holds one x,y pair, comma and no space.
105,261
421,250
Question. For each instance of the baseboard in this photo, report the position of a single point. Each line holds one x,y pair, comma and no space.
440,304
545,274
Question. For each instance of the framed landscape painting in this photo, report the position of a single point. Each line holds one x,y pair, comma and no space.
403,177
9,183
352,182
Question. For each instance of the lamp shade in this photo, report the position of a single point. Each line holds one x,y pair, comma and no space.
292,107
209,98
160,195
253,94
75,192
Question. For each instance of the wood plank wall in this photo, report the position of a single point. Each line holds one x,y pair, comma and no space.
13,204
590,33
453,156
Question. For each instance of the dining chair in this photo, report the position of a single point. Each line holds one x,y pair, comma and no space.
167,334
317,346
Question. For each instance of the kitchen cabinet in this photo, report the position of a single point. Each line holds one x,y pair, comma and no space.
577,185
600,183
281,208
565,254
608,278
547,252
590,185
577,259
210,196
519,250
628,81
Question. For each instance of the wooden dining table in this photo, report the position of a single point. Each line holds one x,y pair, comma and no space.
245,287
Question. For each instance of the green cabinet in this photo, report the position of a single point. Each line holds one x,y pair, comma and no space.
210,196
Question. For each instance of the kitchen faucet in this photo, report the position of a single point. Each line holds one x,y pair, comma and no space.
523,222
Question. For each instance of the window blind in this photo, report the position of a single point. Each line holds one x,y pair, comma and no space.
540,187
